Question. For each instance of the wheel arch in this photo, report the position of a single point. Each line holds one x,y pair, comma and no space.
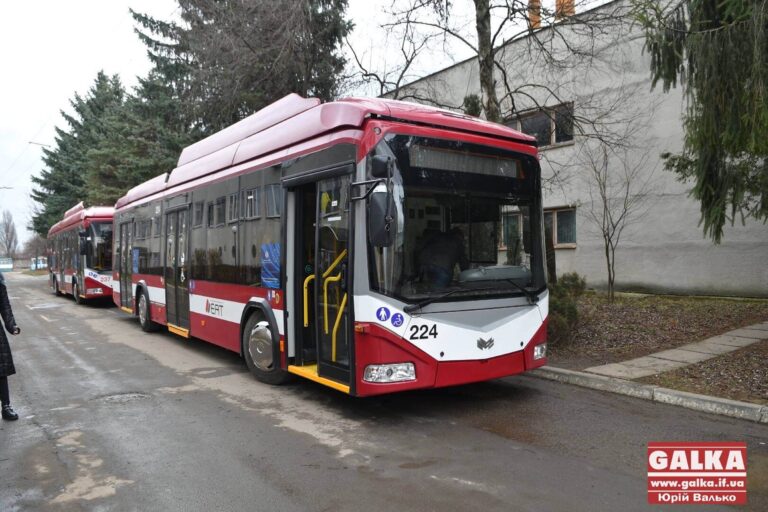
141,285
260,305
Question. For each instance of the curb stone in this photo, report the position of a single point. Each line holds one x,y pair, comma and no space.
704,403
709,404
601,382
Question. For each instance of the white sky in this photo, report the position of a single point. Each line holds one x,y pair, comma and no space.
51,49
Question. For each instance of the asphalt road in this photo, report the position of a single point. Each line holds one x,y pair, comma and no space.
116,419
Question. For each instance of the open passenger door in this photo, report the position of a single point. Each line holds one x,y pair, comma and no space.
321,280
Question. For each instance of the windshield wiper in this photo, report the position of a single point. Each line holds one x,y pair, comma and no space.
429,300
532,297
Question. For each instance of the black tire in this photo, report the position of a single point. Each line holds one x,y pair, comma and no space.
258,351
143,311
76,292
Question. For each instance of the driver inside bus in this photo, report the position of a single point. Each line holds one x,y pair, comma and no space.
438,254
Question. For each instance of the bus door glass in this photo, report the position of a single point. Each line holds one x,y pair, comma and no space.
332,262
176,268
126,264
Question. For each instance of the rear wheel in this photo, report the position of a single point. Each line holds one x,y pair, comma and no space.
259,353
147,325
76,292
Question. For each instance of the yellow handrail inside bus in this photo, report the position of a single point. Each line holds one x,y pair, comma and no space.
335,262
306,299
336,327
333,279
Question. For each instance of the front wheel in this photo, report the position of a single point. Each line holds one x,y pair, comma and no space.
145,320
259,353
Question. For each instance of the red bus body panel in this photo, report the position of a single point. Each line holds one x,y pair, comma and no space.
377,345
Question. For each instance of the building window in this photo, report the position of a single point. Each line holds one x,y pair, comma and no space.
538,125
143,229
211,220
232,212
197,219
252,203
155,227
274,200
563,121
561,223
221,210
511,230
549,125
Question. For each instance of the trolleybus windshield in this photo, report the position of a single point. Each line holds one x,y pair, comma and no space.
99,256
468,222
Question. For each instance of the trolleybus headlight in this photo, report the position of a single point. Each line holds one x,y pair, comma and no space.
91,291
540,351
397,372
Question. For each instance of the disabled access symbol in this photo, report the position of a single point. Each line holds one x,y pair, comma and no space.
397,319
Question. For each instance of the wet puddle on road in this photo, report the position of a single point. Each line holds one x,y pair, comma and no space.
123,398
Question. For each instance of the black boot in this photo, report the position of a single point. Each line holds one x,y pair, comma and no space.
9,414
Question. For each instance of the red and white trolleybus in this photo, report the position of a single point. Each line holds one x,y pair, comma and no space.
80,253
370,245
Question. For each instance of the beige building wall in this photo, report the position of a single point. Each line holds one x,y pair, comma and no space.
663,249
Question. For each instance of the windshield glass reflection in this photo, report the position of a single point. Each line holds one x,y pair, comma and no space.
468,222
100,254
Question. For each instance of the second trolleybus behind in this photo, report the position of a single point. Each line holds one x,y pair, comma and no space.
80,253
369,245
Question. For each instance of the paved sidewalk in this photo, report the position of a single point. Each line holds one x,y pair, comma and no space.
685,355
617,377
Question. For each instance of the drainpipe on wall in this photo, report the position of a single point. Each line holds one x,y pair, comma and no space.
564,8
534,14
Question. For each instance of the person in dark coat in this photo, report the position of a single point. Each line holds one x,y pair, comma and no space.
6,359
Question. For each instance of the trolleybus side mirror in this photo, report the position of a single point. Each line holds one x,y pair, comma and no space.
381,171
381,218
381,166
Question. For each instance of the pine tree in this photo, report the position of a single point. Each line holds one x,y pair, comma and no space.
718,51
239,56
62,183
143,138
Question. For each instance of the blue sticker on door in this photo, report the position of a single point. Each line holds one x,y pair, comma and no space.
382,314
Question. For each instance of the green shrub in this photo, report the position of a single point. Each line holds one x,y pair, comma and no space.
472,105
563,310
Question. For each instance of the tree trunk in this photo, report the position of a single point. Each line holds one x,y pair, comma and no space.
612,272
608,265
485,60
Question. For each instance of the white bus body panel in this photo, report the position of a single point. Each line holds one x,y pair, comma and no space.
459,331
